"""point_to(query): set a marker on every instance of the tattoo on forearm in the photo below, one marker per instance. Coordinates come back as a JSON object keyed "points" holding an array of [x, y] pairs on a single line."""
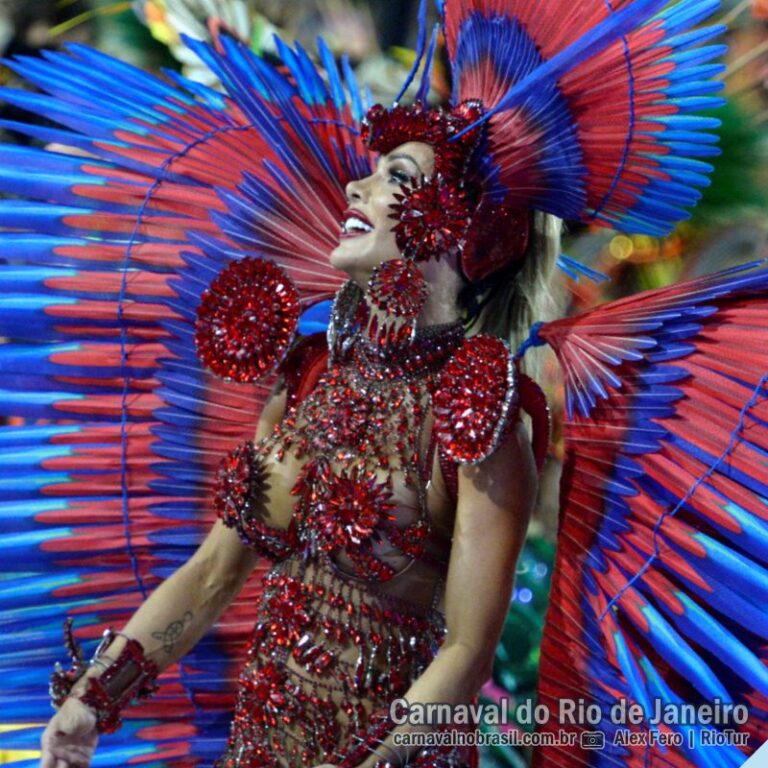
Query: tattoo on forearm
{"points": [[171, 634]]}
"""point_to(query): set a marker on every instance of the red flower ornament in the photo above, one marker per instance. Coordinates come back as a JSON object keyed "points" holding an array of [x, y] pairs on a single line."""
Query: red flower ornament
{"points": [[432, 219], [398, 287], [347, 511], [354, 505], [399, 290]]}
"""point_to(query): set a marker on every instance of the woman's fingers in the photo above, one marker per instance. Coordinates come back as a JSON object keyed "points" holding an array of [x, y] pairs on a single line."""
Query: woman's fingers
{"points": [[47, 760], [73, 754]]}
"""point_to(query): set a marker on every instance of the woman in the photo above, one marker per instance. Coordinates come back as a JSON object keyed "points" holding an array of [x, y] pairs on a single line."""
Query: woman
{"points": [[579, 112], [481, 532]]}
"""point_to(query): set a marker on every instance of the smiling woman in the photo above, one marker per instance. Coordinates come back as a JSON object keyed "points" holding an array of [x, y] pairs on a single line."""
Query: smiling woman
{"points": [[380, 468], [368, 230]]}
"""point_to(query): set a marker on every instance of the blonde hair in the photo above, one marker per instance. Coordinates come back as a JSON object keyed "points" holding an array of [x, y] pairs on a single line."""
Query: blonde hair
{"points": [[509, 302]]}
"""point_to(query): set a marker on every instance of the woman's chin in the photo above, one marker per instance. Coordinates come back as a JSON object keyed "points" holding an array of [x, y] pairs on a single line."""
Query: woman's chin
{"points": [[347, 259], [338, 257], [359, 256]]}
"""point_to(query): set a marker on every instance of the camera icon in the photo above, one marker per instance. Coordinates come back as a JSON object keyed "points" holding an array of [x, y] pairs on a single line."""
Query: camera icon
{"points": [[592, 740]]}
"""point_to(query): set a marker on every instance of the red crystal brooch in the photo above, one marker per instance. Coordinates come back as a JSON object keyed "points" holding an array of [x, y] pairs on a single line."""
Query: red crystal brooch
{"points": [[246, 320], [398, 287], [432, 219], [347, 511], [349, 506]]}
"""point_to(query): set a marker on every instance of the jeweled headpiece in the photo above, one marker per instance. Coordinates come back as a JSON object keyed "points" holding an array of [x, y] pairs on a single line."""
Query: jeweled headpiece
{"points": [[384, 129], [449, 212], [583, 112], [575, 114]]}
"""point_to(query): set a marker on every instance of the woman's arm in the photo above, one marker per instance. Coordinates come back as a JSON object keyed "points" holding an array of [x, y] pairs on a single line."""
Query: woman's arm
{"points": [[182, 609], [168, 624], [495, 501]]}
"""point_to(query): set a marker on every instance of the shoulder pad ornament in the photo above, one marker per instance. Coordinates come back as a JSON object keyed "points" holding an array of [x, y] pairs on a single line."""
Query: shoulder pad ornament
{"points": [[303, 366], [246, 320], [476, 398]]}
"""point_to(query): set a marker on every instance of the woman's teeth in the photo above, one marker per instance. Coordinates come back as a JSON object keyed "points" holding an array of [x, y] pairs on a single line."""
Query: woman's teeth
{"points": [[353, 224]]}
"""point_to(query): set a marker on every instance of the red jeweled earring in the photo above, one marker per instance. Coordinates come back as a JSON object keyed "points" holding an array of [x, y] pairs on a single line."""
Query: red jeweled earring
{"points": [[398, 290]]}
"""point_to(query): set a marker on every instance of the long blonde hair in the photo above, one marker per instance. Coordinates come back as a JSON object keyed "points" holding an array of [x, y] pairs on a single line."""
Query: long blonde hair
{"points": [[509, 302]]}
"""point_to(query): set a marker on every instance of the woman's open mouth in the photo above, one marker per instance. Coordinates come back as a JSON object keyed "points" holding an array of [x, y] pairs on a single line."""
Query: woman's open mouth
{"points": [[355, 224]]}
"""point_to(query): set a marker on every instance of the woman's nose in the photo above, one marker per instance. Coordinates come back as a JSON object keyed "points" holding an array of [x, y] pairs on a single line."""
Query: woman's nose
{"points": [[355, 191]]}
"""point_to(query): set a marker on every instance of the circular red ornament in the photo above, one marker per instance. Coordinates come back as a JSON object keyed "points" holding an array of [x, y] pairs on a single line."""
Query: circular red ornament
{"points": [[246, 320], [432, 219], [476, 394], [354, 505], [398, 287], [346, 511]]}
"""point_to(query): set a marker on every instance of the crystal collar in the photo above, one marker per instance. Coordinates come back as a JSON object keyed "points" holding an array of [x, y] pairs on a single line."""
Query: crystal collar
{"points": [[427, 353]]}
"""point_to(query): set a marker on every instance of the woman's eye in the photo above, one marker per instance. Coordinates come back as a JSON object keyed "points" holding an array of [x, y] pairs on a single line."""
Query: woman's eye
{"points": [[401, 177]]}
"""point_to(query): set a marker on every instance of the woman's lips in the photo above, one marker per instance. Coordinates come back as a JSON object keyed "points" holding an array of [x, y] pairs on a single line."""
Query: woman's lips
{"points": [[354, 224]]}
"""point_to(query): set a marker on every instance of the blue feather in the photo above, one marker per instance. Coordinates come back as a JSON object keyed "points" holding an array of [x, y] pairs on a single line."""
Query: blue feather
{"points": [[682, 656], [421, 43], [711, 634], [575, 269]]}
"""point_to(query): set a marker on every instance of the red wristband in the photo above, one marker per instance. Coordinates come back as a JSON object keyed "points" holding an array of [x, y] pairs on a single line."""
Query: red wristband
{"points": [[131, 676]]}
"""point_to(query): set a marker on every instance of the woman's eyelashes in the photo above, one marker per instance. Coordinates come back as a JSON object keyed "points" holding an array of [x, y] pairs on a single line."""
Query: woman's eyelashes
{"points": [[400, 177]]}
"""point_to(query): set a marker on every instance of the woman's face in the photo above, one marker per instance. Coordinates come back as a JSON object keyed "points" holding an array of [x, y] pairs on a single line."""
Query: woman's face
{"points": [[367, 231]]}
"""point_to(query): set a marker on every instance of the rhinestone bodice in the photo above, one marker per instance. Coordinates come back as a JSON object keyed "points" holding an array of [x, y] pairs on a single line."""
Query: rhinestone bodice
{"points": [[355, 460], [349, 614], [326, 653]]}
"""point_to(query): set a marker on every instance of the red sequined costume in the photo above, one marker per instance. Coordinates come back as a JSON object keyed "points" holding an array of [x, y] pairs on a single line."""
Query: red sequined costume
{"points": [[342, 630]]}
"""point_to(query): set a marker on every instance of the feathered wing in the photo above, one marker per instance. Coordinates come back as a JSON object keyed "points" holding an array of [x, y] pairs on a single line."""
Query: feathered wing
{"points": [[591, 103], [661, 577], [107, 471]]}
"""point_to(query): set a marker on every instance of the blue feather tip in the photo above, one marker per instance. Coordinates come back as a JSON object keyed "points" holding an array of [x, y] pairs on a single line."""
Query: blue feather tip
{"points": [[575, 270]]}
